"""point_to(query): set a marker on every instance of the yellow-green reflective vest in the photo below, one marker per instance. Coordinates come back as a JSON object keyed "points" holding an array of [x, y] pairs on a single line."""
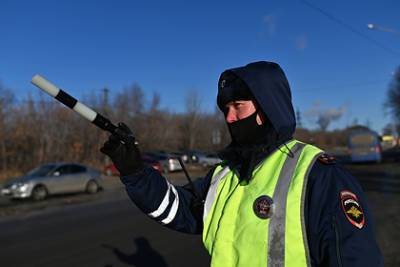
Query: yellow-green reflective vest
{"points": [[235, 235]]}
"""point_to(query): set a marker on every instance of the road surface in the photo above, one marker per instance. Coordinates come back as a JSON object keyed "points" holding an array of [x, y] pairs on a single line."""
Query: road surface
{"points": [[108, 230]]}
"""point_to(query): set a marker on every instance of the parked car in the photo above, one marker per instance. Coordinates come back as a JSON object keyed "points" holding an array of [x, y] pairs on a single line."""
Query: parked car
{"points": [[111, 170], [178, 155], [192, 156], [207, 160], [152, 162], [364, 146], [148, 160], [185, 157], [168, 161], [54, 178], [203, 159]]}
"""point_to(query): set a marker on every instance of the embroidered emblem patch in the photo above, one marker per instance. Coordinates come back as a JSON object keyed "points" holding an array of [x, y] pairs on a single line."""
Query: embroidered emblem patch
{"points": [[263, 207], [352, 209], [223, 82]]}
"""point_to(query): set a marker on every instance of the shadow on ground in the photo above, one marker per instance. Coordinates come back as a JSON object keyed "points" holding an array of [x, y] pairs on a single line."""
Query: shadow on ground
{"points": [[144, 255]]}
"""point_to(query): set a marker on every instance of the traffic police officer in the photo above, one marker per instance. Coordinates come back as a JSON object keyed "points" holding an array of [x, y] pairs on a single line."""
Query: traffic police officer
{"points": [[273, 201]]}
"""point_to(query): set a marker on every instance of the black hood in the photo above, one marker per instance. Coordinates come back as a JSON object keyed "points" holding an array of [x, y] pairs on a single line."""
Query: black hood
{"points": [[270, 89], [268, 84]]}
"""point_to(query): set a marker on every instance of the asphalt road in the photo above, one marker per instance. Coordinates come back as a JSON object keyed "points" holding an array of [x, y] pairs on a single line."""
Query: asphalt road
{"points": [[91, 230], [108, 230]]}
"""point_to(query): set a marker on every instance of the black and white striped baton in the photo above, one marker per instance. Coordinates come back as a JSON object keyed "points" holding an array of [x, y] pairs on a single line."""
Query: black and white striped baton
{"points": [[83, 110]]}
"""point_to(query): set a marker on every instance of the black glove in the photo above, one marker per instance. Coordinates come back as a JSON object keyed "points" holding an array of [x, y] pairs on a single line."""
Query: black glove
{"points": [[121, 148]]}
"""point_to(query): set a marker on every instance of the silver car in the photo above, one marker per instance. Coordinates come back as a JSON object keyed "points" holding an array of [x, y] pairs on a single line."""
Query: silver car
{"points": [[54, 178], [168, 161]]}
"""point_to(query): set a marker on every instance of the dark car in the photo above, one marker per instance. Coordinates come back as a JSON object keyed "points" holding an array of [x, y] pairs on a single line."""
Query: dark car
{"points": [[191, 156], [208, 160], [54, 178], [148, 160]]}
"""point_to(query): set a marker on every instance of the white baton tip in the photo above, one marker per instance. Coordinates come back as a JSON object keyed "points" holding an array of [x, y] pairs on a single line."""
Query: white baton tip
{"points": [[45, 85], [85, 111]]}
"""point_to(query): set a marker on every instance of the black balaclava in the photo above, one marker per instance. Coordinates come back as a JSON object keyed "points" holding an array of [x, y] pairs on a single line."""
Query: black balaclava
{"points": [[247, 131], [250, 142]]}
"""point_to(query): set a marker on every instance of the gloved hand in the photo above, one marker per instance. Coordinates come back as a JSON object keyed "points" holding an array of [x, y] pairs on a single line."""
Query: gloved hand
{"points": [[121, 148]]}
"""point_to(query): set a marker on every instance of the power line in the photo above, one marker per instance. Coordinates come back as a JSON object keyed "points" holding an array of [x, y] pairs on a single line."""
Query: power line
{"points": [[350, 28]]}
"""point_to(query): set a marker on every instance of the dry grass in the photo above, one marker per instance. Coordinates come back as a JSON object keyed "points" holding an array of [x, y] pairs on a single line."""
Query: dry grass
{"points": [[7, 175]]}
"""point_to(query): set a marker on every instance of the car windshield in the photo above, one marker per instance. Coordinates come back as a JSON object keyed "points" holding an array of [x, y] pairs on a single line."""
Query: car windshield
{"points": [[363, 140], [41, 170]]}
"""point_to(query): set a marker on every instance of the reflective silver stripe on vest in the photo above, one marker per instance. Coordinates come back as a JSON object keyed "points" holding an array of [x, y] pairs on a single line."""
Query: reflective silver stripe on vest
{"points": [[276, 230], [212, 191]]}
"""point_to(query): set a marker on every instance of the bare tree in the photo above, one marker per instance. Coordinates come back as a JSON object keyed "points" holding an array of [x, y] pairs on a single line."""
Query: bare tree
{"points": [[6, 101], [392, 103], [130, 102], [190, 120], [155, 102], [155, 127]]}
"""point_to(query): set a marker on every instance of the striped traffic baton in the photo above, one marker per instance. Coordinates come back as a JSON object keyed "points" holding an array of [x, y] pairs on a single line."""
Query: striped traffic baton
{"points": [[69, 101]]}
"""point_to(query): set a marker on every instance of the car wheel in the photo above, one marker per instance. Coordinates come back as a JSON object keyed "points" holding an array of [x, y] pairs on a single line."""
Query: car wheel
{"points": [[39, 193], [92, 187]]}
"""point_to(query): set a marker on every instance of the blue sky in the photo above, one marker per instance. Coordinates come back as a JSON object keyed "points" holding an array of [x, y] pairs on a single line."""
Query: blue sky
{"points": [[174, 47]]}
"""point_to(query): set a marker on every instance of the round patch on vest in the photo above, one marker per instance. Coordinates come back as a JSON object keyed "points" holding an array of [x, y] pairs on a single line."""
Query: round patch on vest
{"points": [[352, 209], [263, 207]]}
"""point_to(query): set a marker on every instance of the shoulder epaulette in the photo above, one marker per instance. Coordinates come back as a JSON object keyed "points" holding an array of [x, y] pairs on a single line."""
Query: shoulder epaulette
{"points": [[327, 159]]}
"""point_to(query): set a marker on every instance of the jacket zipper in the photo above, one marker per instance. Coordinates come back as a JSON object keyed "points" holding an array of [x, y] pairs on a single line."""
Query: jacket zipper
{"points": [[337, 237]]}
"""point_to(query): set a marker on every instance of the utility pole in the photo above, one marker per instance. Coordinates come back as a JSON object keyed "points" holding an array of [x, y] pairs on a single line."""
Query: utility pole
{"points": [[298, 119], [105, 101]]}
